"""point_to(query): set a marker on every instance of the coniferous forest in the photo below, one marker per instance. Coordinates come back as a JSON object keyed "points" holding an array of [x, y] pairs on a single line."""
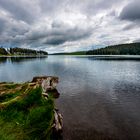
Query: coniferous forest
{"points": [[21, 51], [123, 49]]}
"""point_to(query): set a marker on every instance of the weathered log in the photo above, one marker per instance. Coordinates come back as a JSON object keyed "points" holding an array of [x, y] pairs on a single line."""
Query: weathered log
{"points": [[58, 121], [45, 94]]}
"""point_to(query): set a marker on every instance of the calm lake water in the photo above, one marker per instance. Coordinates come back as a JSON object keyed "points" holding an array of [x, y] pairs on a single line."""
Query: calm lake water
{"points": [[100, 97]]}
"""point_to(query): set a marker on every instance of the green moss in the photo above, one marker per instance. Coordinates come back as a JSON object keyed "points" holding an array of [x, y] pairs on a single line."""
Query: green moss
{"points": [[29, 117]]}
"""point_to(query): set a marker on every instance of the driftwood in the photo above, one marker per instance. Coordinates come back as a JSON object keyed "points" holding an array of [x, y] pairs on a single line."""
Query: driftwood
{"points": [[45, 94], [58, 121]]}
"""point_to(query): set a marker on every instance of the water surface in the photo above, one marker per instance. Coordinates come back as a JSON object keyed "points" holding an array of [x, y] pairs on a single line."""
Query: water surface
{"points": [[100, 97]]}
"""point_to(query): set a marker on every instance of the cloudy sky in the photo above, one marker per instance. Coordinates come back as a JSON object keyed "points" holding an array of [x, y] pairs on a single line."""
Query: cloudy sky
{"points": [[68, 25]]}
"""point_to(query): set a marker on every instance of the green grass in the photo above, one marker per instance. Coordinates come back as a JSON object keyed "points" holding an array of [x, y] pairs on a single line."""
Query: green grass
{"points": [[30, 117], [6, 97], [11, 86]]}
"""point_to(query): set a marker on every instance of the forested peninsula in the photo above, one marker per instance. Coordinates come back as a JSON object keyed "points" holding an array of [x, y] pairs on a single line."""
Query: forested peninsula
{"points": [[21, 52]]}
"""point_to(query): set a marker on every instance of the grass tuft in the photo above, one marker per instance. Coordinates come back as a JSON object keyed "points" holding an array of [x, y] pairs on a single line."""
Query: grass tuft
{"points": [[26, 115]]}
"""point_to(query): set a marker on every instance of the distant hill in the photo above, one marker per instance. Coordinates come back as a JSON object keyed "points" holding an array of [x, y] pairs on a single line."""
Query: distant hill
{"points": [[122, 49], [71, 53], [21, 52]]}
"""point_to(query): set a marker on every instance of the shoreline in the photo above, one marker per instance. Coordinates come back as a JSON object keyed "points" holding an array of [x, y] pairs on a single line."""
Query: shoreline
{"points": [[33, 100]]}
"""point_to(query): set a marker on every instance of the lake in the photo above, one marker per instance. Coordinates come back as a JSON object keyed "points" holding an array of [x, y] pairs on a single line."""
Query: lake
{"points": [[100, 96]]}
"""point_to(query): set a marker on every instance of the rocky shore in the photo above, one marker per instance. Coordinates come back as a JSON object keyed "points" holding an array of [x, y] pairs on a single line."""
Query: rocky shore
{"points": [[29, 109], [48, 84]]}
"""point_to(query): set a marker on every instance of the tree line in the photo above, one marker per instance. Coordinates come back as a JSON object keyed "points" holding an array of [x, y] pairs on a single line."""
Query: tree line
{"points": [[21, 51], [123, 49]]}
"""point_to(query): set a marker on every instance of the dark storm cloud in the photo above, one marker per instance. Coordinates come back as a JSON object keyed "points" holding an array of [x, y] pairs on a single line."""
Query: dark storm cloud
{"points": [[55, 41], [73, 34], [18, 10], [131, 11], [50, 6], [95, 6], [58, 34], [2, 25], [131, 26], [62, 33]]}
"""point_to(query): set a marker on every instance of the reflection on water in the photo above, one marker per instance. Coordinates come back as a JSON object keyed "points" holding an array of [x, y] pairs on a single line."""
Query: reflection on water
{"points": [[116, 57], [3, 60], [19, 59], [99, 99]]}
